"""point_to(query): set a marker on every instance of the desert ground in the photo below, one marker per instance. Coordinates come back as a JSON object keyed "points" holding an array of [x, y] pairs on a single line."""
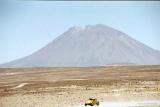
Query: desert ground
{"points": [[113, 86]]}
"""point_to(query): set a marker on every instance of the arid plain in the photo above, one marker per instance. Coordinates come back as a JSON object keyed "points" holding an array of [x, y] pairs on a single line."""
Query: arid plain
{"points": [[62, 87]]}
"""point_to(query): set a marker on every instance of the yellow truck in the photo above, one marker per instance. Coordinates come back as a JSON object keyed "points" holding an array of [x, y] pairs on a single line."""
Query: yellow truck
{"points": [[92, 102]]}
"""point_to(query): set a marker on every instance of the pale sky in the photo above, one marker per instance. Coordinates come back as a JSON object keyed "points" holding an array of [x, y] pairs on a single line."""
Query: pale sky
{"points": [[26, 26]]}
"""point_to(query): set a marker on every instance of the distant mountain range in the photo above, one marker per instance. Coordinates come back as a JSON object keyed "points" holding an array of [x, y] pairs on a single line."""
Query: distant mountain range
{"points": [[90, 46]]}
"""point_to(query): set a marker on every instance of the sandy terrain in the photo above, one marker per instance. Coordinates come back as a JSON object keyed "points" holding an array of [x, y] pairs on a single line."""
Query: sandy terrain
{"points": [[60, 87]]}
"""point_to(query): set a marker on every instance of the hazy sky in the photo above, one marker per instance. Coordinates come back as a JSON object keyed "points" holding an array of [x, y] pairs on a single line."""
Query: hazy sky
{"points": [[26, 26]]}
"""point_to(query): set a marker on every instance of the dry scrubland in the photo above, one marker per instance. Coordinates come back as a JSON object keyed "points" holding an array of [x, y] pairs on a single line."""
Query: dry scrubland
{"points": [[59, 87]]}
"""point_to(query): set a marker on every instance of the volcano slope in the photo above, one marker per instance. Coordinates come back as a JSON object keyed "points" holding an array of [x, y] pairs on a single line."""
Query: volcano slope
{"points": [[57, 87], [94, 45]]}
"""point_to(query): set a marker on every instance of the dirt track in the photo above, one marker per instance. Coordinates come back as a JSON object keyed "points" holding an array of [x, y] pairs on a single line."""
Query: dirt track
{"points": [[57, 87]]}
